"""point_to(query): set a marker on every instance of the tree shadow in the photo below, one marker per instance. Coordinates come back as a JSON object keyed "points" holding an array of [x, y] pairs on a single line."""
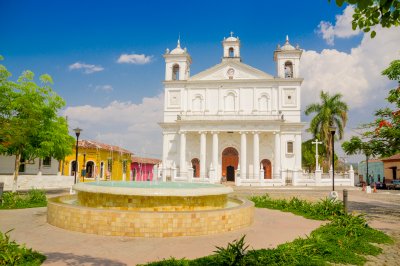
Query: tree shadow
{"points": [[71, 259]]}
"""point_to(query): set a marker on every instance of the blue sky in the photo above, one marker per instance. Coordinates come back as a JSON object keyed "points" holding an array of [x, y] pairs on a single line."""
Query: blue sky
{"points": [[51, 36], [48, 36]]}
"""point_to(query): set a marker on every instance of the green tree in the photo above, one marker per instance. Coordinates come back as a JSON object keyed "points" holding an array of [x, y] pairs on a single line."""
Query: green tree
{"points": [[385, 130], [356, 146], [29, 125], [332, 111], [308, 154], [369, 13]]}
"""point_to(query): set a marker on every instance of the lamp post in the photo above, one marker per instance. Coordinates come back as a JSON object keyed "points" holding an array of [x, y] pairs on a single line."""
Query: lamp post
{"points": [[332, 129], [77, 133]]}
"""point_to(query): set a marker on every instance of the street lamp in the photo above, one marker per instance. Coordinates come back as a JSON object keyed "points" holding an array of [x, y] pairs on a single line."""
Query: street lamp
{"points": [[332, 129], [77, 133]]}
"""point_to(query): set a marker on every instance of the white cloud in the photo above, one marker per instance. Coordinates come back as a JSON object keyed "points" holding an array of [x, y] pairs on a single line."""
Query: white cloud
{"points": [[341, 29], [356, 75], [131, 126], [137, 59], [87, 69], [105, 88]]}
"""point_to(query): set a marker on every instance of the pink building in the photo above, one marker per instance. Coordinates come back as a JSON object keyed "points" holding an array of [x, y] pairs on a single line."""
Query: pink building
{"points": [[142, 168]]}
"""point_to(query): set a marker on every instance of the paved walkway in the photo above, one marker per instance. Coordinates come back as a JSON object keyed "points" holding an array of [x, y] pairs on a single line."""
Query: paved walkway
{"points": [[269, 229], [72, 248]]}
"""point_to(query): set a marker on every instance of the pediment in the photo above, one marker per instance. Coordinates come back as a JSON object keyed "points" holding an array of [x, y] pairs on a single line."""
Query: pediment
{"points": [[231, 70]]}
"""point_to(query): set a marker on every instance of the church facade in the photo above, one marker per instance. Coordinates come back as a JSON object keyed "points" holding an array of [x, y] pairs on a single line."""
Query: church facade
{"points": [[232, 121]]}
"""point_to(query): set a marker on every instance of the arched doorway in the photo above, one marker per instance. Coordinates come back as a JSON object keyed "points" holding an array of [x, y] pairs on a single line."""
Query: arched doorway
{"points": [[72, 168], [90, 169], [230, 161], [196, 167], [267, 168]]}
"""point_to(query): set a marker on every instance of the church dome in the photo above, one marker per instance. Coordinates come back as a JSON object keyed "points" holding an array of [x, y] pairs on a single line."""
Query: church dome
{"points": [[287, 46], [178, 49], [231, 39]]}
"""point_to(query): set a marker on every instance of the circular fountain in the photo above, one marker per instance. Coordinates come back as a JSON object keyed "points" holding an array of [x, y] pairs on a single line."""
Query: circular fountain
{"points": [[150, 209]]}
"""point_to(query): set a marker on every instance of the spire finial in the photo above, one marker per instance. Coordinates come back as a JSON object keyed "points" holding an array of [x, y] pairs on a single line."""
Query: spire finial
{"points": [[287, 38], [179, 41], [231, 33]]}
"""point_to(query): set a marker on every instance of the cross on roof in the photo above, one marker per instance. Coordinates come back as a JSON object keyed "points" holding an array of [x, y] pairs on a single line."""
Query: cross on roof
{"points": [[231, 33]]}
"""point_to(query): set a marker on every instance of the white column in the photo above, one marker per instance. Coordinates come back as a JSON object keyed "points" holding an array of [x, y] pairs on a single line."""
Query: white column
{"points": [[203, 154], [182, 157], [243, 152], [215, 156], [256, 155], [277, 155], [297, 144], [164, 158]]}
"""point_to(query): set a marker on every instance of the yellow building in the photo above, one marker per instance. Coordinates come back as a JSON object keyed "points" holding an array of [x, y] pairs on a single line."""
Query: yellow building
{"points": [[98, 161]]}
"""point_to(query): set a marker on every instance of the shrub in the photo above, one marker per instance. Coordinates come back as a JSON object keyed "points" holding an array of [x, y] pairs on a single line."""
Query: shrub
{"points": [[322, 210], [13, 254], [32, 199]]}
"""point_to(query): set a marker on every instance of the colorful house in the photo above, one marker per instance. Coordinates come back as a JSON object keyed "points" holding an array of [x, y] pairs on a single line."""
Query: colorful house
{"points": [[375, 171], [391, 167], [98, 161], [144, 169]]}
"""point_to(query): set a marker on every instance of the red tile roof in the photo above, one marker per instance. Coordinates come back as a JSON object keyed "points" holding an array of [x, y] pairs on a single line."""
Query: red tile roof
{"points": [[392, 158], [136, 159], [91, 144]]}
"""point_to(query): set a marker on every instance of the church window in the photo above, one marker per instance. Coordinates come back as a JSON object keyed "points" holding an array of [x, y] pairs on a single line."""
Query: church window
{"points": [[289, 147], [231, 52], [263, 103], [175, 72], [230, 102], [197, 103], [288, 69]]}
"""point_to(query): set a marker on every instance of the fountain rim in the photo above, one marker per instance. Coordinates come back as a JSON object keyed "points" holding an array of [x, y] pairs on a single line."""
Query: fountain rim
{"points": [[154, 191]]}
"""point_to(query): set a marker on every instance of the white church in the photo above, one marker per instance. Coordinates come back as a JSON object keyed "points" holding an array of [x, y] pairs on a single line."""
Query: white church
{"points": [[232, 122]]}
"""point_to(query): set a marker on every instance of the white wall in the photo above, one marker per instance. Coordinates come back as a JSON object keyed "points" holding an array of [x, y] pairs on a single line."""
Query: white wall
{"points": [[26, 182]]}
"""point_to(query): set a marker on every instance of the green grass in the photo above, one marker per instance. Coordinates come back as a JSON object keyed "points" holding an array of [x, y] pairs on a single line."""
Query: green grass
{"points": [[16, 200], [346, 239], [12, 253]]}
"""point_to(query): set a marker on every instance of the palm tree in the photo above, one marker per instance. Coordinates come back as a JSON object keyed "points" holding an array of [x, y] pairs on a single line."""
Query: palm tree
{"points": [[332, 111]]}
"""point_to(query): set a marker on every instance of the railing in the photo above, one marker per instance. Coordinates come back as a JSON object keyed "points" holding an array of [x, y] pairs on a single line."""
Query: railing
{"points": [[229, 116]]}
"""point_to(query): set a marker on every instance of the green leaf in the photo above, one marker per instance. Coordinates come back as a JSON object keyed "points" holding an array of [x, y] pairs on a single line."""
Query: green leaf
{"points": [[339, 2], [373, 34]]}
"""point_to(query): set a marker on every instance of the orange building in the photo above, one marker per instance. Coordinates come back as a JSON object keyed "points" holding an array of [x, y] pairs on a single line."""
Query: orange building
{"points": [[391, 167]]}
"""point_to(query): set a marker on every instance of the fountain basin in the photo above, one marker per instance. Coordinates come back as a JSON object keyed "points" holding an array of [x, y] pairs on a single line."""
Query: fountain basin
{"points": [[149, 196], [143, 220]]}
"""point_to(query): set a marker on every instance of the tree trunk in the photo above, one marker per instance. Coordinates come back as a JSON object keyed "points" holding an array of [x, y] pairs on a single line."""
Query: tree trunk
{"points": [[40, 166], [16, 171]]}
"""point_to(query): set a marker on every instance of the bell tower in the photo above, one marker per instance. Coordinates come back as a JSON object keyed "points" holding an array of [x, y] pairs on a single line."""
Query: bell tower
{"points": [[287, 60], [177, 63], [231, 47]]}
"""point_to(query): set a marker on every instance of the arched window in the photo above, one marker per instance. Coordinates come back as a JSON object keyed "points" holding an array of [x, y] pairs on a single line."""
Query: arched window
{"points": [[231, 52], [263, 103], [90, 169], [288, 69], [175, 72], [230, 102], [197, 103]]}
